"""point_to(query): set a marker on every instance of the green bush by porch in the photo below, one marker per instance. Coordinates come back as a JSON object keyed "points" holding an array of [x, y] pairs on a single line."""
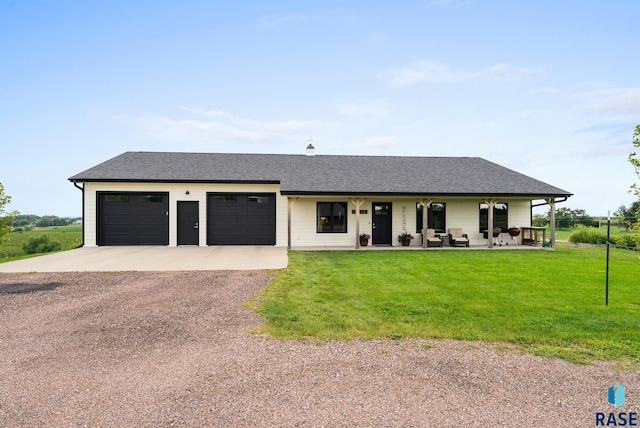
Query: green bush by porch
{"points": [[548, 302]]}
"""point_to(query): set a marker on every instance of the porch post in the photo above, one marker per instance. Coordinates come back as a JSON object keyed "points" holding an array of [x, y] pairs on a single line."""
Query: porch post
{"points": [[289, 202], [490, 203], [426, 203], [358, 203], [552, 221]]}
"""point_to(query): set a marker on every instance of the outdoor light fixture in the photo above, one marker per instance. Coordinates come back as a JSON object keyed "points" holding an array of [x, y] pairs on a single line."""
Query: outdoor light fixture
{"points": [[186, 193]]}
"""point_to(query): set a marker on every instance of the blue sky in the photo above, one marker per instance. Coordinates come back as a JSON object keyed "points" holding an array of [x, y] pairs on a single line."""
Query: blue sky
{"points": [[548, 88]]}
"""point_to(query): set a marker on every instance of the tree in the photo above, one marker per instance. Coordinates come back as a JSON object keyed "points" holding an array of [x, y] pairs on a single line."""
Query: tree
{"points": [[5, 217], [540, 220], [628, 215], [51, 220], [23, 220], [567, 218], [635, 161]]}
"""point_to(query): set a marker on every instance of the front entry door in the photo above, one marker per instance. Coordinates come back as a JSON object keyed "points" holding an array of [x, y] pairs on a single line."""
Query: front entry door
{"points": [[381, 223], [188, 223]]}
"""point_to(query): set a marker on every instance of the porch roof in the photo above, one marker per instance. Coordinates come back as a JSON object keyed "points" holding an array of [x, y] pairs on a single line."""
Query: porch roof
{"points": [[326, 174]]}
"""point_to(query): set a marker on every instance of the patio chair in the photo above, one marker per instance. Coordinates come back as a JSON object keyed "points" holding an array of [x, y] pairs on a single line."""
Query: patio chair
{"points": [[457, 238], [430, 239]]}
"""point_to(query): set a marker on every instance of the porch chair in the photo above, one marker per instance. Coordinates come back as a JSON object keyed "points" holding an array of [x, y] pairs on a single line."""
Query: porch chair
{"points": [[430, 239], [457, 238]]}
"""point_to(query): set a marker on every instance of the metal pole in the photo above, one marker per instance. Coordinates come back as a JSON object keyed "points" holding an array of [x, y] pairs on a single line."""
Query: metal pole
{"points": [[606, 300]]}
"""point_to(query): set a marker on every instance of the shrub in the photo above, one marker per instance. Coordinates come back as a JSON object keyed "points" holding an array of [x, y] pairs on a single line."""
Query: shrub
{"points": [[590, 235], [40, 244], [628, 241], [587, 235], [76, 243]]}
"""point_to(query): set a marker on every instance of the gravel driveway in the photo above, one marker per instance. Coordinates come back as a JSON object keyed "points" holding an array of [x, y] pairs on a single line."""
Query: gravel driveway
{"points": [[175, 349]]}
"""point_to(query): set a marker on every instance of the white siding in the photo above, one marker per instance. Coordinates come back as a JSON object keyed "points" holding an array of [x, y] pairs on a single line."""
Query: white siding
{"points": [[90, 216], [303, 224], [177, 192], [404, 219], [460, 212]]}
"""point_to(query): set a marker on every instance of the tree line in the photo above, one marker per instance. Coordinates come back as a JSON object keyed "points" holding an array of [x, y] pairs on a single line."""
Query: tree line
{"points": [[26, 221], [566, 218]]}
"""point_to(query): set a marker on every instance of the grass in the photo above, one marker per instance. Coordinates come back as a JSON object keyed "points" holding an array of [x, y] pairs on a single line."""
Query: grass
{"points": [[11, 245], [550, 303]]}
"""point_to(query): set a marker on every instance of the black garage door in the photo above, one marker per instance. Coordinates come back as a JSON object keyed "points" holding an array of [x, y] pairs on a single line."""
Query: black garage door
{"points": [[133, 218], [241, 219]]}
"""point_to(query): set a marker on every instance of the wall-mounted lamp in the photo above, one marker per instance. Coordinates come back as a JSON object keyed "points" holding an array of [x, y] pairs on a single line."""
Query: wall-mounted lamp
{"points": [[186, 193]]}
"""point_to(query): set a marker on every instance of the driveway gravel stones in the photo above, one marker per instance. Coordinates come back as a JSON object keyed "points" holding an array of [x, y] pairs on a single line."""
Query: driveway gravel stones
{"points": [[161, 349]]}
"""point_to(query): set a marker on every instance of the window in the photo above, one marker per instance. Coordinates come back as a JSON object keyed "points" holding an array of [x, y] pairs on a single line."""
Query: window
{"points": [[435, 217], [332, 217], [152, 198], [500, 217], [258, 199], [117, 198], [224, 199]]}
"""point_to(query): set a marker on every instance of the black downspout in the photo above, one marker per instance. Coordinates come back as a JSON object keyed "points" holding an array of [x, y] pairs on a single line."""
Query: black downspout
{"points": [[82, 190], [557, 201]]}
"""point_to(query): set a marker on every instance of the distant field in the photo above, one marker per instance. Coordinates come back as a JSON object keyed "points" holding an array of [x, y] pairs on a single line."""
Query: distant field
{"points": [[11, 246]]}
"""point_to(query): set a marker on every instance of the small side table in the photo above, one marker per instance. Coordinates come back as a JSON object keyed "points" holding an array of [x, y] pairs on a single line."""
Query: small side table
{"points": [[530, 235]]}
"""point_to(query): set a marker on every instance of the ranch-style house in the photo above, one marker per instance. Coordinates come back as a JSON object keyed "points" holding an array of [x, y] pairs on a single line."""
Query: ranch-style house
{"points": [[307, 200]]}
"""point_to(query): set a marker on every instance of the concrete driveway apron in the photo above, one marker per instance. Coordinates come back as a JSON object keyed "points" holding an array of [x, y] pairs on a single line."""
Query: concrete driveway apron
{"points": [[153, 258]]}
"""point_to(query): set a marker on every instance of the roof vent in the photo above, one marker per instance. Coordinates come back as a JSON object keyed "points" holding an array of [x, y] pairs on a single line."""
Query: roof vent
{"points": [[311, 151]]}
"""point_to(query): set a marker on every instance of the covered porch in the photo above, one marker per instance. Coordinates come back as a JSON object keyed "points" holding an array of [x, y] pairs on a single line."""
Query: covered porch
{"points": [[376, 222]]}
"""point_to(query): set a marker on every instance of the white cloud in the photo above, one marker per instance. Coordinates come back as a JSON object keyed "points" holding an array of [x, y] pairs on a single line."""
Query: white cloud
{"points": [[220, 115], [429, 71], [285, 126], [195, 130], [618, 101], [269, 22], [507, 72], [374, 108], [425, 71], [381, 141], [221, 126], [295, 125], [377, 39], [447, 2], [546, 90]]}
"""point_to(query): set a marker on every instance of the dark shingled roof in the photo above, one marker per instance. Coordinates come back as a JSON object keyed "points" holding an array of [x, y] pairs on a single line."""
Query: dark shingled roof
{"points": [[325, 174]]}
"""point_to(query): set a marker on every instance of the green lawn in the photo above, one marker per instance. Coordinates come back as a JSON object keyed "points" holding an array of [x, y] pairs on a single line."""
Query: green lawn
{"points": [[548, 302], [11, 245]]}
